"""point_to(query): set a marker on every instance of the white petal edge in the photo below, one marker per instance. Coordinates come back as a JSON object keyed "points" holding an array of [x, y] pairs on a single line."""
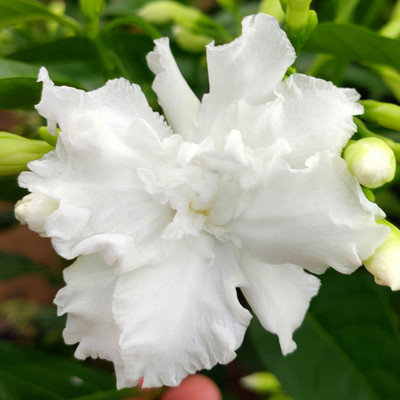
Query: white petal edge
{"points": [[312, 115], [114, 105], [182, 315], [279, 295], [178, 101], [87, 300], [248, 68], [102, 209], [315, 217]]}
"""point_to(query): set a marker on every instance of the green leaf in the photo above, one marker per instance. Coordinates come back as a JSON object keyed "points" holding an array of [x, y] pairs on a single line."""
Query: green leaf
{"points": [[352, 43], [20, 11], [18, 86], [348, 345], [26, 373], [131, 50], [72, 61], [10, 191]]}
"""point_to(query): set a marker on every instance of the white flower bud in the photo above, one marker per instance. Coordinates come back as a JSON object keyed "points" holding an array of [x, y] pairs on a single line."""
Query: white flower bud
{"points": [[33, 210], [384, 264], [371, 161]]}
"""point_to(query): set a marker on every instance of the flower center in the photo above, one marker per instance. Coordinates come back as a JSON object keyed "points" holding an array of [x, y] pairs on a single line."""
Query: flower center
{"points": [[207, 187]]}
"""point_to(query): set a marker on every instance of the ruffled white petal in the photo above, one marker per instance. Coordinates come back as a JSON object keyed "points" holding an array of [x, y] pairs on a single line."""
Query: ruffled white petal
{"points": [[114, 106], [103, 205], [279, 295], [315, 217], [249, 68], [312, 115], [181, 315], [178, 101], [87, 299]]}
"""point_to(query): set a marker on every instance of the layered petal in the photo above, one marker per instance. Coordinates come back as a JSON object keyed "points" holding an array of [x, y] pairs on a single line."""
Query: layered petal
{"points": [[178, 101], [314, 217], [114, 106], [249, 68], [181, 315], [87, 300], [279, 295], [312, 115], [103, 205]]}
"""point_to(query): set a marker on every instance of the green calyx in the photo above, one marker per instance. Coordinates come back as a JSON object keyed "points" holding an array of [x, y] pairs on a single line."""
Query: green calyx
{"points": [[17, 151]]}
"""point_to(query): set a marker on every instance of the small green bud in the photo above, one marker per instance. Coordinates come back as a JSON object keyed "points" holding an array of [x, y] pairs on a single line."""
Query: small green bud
{"points": [[384, 264], [17, 151], [162, 12], [274, 8], [300, 22], [371, 161], [261, 382], [92, 9], [297, 13], [190, 41], [190, 18], [384, 114]]}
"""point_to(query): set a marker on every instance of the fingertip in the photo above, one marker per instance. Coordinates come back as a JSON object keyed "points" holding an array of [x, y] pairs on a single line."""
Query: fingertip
{"points": [[194, 387]]}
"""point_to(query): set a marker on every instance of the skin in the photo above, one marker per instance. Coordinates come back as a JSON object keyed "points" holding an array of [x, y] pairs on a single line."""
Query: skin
{"points": [[194, 387]]}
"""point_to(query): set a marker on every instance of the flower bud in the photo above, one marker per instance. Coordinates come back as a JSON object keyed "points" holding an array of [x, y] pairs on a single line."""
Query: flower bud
{"points": [[190, 18], [162, 12], [17, 151], [371, 161], [261, 382], [384, 264], [190, 41], [297, 13], [33, 210], [274, 8], [300, 22], [384, 114]]}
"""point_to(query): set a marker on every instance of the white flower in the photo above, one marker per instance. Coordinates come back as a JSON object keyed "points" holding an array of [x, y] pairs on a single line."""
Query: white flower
{"points": [[245, 189]]}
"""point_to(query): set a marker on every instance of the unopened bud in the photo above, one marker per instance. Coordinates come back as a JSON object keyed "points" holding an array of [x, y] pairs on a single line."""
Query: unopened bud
{"points": [[17, 151], [190, 41], [274, 8], [371, 161], [297, 13], [384, 264], [161, 12], [33, 210], [384, 114], [261, 382]]}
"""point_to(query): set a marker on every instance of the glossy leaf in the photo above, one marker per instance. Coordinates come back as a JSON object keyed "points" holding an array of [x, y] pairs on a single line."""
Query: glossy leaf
{"points": [[72, 61], [353, 43], [18, 86], [348, 346]]}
